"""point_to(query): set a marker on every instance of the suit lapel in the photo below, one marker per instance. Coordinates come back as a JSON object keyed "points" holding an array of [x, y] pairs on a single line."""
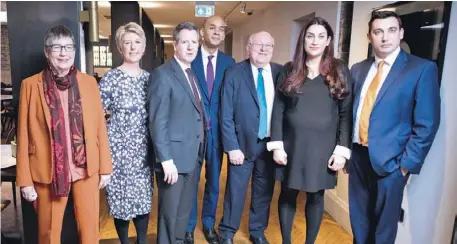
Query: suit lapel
{"points": [[249, 79], [200, 72], [44, 104], [360, 81], [85, 101], [275, 71], [396, 69], [181, 77]]}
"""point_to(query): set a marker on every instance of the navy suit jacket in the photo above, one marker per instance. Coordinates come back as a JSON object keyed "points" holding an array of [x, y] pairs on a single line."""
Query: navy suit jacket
{"points": [[406, 113], [240, 115], [211, 103]]}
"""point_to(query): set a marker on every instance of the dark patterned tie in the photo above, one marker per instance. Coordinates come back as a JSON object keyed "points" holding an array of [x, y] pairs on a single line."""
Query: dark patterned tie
{"points": [[210, 75], [198, 101]]}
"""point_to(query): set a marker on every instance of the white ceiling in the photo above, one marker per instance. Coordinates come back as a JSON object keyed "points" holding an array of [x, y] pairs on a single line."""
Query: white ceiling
{"points": [[171, 13]]}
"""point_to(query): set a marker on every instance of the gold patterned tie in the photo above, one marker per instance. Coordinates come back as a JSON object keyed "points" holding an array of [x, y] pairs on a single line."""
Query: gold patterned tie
{"points": [[370, 98]]}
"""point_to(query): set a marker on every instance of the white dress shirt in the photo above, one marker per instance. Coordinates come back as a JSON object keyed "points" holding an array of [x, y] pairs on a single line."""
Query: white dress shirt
{"points": [[184, 67], [389, 61], [205, 56], [269, 90]]}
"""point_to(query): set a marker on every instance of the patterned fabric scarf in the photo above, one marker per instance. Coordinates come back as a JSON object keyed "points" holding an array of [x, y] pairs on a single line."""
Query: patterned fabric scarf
{"points": [[61, 171]]}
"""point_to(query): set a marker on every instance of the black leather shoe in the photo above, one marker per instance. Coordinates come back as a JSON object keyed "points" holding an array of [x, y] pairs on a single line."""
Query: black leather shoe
{"points": [[225, 241], [189, 237], [261, 240], [211, 236]]}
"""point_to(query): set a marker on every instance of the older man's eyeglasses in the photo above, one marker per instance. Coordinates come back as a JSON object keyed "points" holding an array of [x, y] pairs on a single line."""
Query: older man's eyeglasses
{"points": [[262, 46], [59, 48]]}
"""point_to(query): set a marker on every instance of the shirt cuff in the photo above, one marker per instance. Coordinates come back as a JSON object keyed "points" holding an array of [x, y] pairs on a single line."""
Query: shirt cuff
{"points": [[167, 162], [274, 145], [343, 152]]}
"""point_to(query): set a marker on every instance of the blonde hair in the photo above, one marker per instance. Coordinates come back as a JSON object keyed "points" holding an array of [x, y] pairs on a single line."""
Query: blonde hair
{"points": [[131, 27]]}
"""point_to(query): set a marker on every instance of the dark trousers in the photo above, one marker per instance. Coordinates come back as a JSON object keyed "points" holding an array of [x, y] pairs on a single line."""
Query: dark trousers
{"points": [[213, 164], [174, 207], [141, 227], [314, 210], [374, 201], [262, 185]]}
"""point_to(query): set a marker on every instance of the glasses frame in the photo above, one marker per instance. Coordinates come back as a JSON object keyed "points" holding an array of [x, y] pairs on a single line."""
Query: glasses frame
{"points": [[54, 46]]}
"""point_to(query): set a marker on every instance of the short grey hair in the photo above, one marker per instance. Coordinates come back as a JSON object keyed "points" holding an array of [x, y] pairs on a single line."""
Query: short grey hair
{"points": [[184, 26], [57, 32], [131, 27]]}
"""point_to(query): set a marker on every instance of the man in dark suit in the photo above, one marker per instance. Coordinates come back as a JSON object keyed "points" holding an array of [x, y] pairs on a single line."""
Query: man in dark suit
{"points": [[209, 67], [396, 116], [177, 127], [246, 104]]}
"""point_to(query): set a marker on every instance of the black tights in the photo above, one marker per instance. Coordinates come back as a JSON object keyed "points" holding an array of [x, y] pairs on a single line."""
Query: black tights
{"points": [[314, 210], [141, 226]]}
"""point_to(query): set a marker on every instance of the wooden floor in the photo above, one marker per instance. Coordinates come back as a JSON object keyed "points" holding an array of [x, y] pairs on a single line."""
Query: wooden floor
{"points": [[330, 232]]}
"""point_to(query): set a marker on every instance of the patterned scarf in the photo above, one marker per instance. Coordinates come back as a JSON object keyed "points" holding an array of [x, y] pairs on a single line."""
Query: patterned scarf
{"points": [[61, 171]]}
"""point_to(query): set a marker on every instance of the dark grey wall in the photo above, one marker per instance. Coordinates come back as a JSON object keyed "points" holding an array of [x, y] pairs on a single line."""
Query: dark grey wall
{"points": [[121, 14], [148, 57], [27, 26]]}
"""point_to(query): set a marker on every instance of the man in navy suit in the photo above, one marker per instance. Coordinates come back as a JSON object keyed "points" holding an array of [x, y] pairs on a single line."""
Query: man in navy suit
{"points": [[396, 116], [246, 104], [209, 66]]}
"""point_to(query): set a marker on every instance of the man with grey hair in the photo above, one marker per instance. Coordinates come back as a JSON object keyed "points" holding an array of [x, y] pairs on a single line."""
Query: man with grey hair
{"points": [[246, 105], [177, 124]]}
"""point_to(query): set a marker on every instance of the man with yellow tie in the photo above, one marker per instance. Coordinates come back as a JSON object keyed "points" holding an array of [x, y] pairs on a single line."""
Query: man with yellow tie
{"points": [[396, 115]]}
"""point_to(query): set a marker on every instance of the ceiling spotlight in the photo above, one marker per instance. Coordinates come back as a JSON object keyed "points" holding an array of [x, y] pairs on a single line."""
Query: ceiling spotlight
{"points": [[243, 8]]}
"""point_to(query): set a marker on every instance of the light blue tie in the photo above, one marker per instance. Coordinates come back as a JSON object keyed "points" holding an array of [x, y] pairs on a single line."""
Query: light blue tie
{"points": [[262, 105]]}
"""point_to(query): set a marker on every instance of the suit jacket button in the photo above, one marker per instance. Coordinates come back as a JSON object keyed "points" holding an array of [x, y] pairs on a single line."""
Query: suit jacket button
{"points": [[198, 136], [256, 130]]}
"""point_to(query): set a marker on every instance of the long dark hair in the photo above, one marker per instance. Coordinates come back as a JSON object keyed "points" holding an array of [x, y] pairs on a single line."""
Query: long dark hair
{"points": [[330, 68]]}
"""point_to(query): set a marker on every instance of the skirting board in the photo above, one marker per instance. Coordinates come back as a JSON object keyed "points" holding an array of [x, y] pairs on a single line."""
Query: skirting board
{"points": [[338, 209]]}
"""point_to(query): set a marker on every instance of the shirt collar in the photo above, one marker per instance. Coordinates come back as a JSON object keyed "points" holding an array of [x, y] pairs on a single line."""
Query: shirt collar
{"points": [[266, 68], [181, 64], [389, 59], [205, 54]]}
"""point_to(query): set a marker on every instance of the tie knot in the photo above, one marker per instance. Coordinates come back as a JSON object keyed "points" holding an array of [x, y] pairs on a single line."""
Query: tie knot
{"points": [[189, 71], [210, 57], [260, 70], [381, 64]]}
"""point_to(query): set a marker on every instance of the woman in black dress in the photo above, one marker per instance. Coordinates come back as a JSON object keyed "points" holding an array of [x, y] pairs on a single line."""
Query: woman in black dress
{"points": [[311, 126]]}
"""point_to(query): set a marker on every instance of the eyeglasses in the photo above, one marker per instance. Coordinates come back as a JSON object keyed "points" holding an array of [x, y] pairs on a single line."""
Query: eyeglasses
{"points": [[263, 46], [58, 48]]}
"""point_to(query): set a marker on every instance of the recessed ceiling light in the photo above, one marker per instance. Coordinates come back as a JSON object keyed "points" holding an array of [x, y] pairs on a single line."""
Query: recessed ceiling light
{"points": [[168, 41], [163, 36], [150, 4], [3, 17], [163, 26], [104, 4]]}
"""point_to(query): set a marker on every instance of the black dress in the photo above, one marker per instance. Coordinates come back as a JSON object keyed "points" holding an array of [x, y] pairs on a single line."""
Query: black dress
{"points": [[311, 124]]}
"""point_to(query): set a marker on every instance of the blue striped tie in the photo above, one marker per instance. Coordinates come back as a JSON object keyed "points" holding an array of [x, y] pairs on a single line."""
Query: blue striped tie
{"points": [[262, 105]]}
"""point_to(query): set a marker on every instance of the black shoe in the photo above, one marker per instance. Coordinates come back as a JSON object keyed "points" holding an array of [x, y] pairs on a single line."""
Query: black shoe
{"points": [[260, 240], [211, 236], [189, 238], [225, 241]]}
